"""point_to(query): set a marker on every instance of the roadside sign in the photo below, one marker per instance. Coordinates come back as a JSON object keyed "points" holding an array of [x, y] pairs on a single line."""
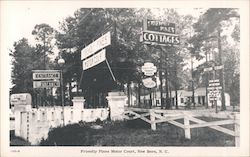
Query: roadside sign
{"points": [[94, 60], [149, 69], [97, 45], [160, 38], [208, 69], [46, 74], [214, 84], [214, 81], [46, 84], [213, 68], [214, 88], [159, 26], [219, 67], [149, 82]]}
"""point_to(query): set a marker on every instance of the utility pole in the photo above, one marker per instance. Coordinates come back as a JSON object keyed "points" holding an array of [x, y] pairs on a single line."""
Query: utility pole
{"points": [[160, 73], [192, 81], [223, 106], [206, 83], [166, 84], [175, 84]]}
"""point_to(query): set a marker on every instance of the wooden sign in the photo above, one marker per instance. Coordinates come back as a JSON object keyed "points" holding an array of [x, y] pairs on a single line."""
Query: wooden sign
{"points": [[94, 60], [159, 26], [160, 38], [97, 45], [46, 74], [46, 84]]}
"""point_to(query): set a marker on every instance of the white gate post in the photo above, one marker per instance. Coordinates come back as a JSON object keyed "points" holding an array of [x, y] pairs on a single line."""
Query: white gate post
{"points": [[116, 102], [187, 128], [152, 119]]}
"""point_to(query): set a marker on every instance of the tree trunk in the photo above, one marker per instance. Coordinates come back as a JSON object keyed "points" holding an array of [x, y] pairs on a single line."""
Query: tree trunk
{"points": [[128, 92]]}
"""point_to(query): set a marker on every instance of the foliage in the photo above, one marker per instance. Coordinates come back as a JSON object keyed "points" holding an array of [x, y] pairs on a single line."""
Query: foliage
{"points": [[25, 58]]}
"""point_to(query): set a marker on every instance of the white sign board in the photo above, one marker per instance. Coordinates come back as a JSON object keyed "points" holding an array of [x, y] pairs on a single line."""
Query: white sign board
{"points": [[214, 88], [46, 75], [211, 81], [219, 67], [149, 83], [46, 84], [20, 99], [149, 69], [94, 60], [97, 45]]}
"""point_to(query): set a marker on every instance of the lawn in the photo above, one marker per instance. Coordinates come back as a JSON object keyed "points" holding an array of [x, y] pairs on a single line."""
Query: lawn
{"points": [[133, 133]]}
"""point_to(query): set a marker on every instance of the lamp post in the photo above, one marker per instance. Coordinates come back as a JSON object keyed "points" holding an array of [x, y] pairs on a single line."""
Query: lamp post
{"points": [[61, 63]]}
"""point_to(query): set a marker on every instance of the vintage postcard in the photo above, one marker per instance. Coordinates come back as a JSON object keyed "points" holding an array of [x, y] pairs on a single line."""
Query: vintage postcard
{"points": [[125, 78]]}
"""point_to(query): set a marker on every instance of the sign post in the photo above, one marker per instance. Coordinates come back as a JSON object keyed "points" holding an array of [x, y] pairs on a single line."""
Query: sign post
{"points": [[214, 85], [160, 33]]}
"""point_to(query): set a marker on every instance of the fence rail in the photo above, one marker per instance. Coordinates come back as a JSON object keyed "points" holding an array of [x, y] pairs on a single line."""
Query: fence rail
{"points": [[154, 116]]}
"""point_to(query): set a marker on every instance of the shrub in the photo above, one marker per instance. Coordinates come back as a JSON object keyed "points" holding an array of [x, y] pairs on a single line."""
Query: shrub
{"points": [[70, 135]]}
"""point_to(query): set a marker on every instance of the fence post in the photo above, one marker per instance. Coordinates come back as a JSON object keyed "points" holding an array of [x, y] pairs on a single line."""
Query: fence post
{"points": [[187, 129], [237, 130], [152, 119]]}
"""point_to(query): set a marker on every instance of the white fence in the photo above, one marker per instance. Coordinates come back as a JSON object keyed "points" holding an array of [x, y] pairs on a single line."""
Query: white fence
{"points": [[153, 116], [34, 124]]}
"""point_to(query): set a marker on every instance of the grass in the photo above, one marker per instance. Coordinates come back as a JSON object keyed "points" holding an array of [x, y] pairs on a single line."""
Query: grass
{"points": [[134, 133]]}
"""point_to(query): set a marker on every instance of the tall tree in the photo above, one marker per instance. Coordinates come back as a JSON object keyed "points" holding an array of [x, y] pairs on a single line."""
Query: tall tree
{"points": [[25, 58], [45, 37], [209, 27]]}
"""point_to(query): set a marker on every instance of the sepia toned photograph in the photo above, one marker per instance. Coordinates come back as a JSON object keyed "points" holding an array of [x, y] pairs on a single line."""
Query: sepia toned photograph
{"points": [[123, 81]]}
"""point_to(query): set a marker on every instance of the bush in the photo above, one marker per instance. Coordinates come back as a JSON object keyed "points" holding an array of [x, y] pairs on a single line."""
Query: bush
{"points": [[71, 135]]}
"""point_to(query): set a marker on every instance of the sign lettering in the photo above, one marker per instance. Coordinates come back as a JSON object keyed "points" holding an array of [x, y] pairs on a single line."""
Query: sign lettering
{"points": [[160, 26], [160, 38], [94, 60], [97, 45], [149, 69], [46, 84]]}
